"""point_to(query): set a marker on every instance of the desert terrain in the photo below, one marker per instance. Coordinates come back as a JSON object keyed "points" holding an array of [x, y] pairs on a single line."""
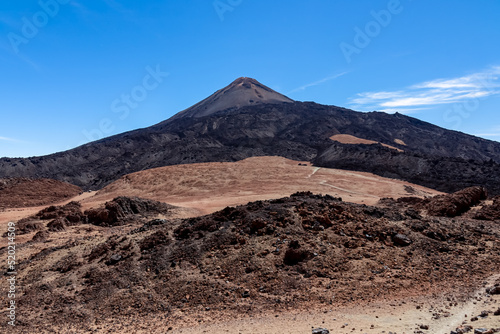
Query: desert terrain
{"points": [[350, 270], [208, 187]]}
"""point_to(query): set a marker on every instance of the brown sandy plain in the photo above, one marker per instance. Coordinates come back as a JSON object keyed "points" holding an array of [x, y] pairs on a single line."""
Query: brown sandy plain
{"points": [[208, 187]]}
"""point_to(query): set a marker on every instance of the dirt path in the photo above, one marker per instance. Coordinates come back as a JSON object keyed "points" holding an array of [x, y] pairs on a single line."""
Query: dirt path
{"points": [[476, 304], [324, 183], [313, 172]]}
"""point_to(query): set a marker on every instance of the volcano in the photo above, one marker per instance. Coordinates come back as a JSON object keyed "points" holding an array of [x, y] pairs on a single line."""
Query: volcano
{"points": [[241, 92], [248, 119]]}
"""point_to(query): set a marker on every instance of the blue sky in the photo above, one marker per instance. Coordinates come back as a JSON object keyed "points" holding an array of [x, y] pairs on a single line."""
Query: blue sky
{"points": [[72, 71]]}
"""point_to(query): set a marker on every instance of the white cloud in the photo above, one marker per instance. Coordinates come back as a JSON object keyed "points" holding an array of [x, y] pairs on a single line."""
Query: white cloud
{"points": [[434, 92], [487, 134], [316, 83], [492, 132], [8, 139]]}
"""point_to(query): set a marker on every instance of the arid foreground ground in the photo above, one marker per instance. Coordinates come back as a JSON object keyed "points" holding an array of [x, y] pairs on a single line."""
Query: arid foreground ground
{"points": [[282, 265]]}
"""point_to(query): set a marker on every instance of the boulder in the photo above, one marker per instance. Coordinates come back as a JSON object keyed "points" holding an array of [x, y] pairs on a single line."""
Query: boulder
{"points": [[40, 236], [401, 240], [119, 209], [57, 225], [320, 331]]}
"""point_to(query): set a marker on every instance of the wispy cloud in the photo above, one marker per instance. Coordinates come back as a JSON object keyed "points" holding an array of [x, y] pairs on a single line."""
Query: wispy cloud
{"points": [[127, 13], [487, 134], [430, 93], [316, 83], [9, 139], [492, 132]]}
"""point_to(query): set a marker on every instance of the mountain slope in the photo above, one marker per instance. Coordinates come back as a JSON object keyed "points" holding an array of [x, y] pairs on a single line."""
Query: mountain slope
{"points": [[240, 93], [294, 130]]}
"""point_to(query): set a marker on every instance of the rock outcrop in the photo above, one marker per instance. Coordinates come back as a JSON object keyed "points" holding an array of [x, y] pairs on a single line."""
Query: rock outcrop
{"points": [[452, 205]]}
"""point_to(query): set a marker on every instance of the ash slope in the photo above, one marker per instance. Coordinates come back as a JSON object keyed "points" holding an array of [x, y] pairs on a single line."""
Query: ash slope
{"points": [[276, 126], [241, 92]]}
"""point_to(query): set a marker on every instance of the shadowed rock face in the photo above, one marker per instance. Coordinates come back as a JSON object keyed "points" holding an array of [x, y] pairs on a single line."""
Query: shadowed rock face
{"points": [[276, 126]]}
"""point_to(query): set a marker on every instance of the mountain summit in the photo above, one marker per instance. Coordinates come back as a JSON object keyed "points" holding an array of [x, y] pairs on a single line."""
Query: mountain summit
{"points": [[241, 92]]}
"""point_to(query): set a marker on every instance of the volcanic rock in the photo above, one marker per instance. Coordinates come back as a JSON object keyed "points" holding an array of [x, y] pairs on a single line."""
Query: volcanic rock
{"points": [[119, 209], [320, 331], [205, 258], [495, 290], [40, 236], [401, 240], [114, 259], [489, 212], [71, 211], [28, 225], [58, 224], [457, 203]]}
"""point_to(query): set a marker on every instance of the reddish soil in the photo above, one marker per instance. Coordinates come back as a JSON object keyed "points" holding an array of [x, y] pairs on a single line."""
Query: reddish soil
{"points": [[286, 256], [21, 192], [208, 187], [349, 139], [268, 266]]}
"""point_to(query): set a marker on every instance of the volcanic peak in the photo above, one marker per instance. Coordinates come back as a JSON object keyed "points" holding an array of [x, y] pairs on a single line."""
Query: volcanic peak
{"points": [[241, 92]]}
